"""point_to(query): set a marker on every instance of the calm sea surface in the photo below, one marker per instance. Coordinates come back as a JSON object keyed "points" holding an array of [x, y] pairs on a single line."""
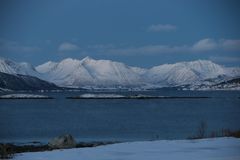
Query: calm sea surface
{"points": [[119, 119]]}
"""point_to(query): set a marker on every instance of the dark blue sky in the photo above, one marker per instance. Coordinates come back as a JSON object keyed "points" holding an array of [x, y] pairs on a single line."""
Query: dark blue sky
{"points": [[137, 32]]}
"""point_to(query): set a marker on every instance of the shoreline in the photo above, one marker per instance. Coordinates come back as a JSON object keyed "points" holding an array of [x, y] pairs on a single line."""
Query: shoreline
{"points": [[39, 147]]}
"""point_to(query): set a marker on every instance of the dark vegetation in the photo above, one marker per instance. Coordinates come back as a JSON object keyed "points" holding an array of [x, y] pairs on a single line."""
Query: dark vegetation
{"points": [[7, 151], [202, 132], [235, 80]]}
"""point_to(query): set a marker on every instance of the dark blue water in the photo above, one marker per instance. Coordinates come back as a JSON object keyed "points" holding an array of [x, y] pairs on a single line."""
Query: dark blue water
{"points": [[119, 119]]}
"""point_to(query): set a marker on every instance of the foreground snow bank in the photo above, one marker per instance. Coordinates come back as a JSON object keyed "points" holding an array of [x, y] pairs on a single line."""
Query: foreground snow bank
{"points": [[207, 149], [23, 96]]}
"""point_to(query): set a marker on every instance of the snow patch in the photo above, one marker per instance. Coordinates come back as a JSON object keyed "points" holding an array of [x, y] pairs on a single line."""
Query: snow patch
{"points": [[101, 96]]}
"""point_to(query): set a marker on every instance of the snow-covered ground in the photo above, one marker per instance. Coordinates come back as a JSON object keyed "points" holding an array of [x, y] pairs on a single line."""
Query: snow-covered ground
{"points": [[22, 96], [205, 149]]}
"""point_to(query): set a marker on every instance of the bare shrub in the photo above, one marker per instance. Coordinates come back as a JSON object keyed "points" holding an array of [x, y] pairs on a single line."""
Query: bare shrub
{"points": [[6, 151], [202, 130]]}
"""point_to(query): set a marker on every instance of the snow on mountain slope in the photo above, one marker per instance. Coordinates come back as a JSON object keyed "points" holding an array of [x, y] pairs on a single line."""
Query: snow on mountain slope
{"points": [[46, 67], [233, 71], [93, 73], [11, 67], [166, 75], [90, 72], [187, 73], [68, 72], [111, 72]]}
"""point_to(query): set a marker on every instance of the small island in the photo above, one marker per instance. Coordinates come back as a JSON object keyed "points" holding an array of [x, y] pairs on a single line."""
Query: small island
{"points": [[137, 96], [24, 96]]}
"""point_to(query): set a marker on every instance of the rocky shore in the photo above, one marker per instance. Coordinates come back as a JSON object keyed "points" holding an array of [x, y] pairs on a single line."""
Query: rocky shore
{"points": [[7, 150]]}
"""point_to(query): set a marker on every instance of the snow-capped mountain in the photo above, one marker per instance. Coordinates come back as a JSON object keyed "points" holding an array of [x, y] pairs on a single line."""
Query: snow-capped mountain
{"points": [[91, 73], [188, 73], [11, 67]]}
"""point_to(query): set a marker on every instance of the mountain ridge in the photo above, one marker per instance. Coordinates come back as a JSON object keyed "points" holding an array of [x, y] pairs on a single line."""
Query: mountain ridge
{"points": [[91, 73], [24, 82]]}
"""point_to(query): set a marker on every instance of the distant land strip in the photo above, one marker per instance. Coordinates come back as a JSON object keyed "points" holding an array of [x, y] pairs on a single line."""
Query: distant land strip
{"points": [[26, 98], [130, 97]]}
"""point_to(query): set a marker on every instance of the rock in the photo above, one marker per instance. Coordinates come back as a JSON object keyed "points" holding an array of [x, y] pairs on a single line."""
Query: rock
{"points": [[6, 151], [64, 141]]}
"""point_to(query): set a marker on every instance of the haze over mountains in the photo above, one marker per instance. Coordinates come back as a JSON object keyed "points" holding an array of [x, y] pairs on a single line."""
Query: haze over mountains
{"points": [[91, 73]]}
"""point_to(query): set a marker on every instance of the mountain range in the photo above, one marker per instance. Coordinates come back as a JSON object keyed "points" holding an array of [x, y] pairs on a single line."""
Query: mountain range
{"points": [[104, 74]]}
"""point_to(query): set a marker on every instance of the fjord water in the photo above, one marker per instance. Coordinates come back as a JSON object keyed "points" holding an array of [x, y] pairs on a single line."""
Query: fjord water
{"points": [[29, 120]]}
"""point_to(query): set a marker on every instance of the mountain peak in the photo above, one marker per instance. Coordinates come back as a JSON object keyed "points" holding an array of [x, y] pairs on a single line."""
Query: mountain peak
{"points": [[50, 62], [200, 61], [87, 58], [69, 61], [11, 67], [46, 67]]}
